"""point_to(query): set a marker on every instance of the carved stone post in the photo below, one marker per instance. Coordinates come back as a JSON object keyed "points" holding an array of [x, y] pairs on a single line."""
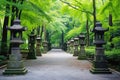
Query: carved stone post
{"points": [[45, 46], [76, 44], [82, 54], [68, 46], [31, 46], [38, 45]]}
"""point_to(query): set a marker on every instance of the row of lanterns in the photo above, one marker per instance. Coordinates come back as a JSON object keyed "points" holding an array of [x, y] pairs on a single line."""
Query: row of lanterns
{"points": [[73, 46], [99, 63]]}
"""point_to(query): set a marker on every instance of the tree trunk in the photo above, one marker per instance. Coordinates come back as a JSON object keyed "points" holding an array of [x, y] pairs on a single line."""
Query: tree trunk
{"points": [[4, 46], [47, 35], [103, 2], [41, 31], [110, 20], [48, 39], [13, 12], [111, 24], [87, 29], [94, 14], [44, 32], [20, 12], [62, 39], [38, 30]]}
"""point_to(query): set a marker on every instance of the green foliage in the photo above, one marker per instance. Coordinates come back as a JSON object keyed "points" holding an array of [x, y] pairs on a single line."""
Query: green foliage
{"points": [[113, 58], [24, 46], [75, 32], [33, 15], [107, 46], [116, 42], [90, 51], [3, 58]]}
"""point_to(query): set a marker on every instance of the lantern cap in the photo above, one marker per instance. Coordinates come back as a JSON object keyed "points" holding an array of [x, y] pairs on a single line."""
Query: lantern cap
{"points": [[99, 42], [17, 26], [99, 28], [17, 21]]}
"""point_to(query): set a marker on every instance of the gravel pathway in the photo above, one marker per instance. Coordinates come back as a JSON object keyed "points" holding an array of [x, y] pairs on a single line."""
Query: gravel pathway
{"points": [[59, 65]]}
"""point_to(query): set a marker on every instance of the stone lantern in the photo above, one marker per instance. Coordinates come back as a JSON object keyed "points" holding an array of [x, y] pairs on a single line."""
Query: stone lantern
{"points": [[45, 46], [71, 46], [31, 45], [76, 44], [99, 63], [82, 54], [38, 45], [68, 46], [15, 64]]}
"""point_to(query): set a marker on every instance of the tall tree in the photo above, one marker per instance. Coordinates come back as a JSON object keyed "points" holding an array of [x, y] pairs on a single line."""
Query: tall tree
{"points": [[94, 13], [82, 7], [4, 46]]}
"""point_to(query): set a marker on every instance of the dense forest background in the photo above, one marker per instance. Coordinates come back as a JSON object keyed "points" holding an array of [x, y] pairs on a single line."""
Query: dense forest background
{"points": [[67, 18]]}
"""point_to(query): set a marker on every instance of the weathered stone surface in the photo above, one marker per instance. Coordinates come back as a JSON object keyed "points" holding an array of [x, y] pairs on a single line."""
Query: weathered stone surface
{"points": [[45, 46], [82, 54], [31, 46], [38, 45]]}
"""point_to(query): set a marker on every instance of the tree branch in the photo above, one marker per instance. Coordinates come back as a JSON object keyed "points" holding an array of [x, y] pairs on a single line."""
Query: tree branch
{"points": [[76, 7], [69, 4]]}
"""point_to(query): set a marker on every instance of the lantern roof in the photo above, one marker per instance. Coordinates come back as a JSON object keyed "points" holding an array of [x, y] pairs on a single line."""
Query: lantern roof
{"points": [[38, 37], [76, 38], [19, 41], [81, 35], [68, 42], [16, 26], [71, 40], [99, 28]]}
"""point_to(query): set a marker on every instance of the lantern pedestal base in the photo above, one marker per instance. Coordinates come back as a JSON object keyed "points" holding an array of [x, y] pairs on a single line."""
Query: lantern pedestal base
{"points": [[15, 68], [100, 71], [100, 67]]}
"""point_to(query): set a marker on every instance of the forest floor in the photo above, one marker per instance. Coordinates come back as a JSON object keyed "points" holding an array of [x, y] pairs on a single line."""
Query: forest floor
{"points": [[59, 65]]}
